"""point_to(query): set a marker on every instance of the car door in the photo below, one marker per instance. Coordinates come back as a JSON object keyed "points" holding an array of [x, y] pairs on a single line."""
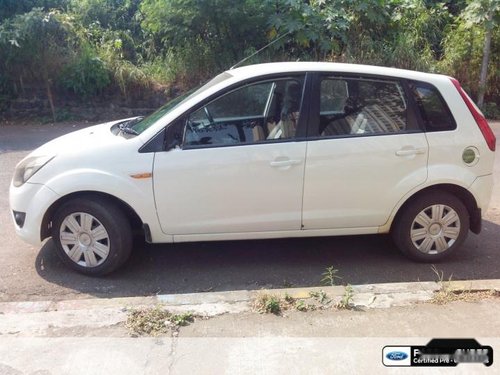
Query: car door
{"points": [[240, 165], [366, 151]]}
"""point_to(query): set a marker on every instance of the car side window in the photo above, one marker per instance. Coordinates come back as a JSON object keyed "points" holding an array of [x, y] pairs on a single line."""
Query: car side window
{"points": [[435, 113], [257, 112], [359, 106]]}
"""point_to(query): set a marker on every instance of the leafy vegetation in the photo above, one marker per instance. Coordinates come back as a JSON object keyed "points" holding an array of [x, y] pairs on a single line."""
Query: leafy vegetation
{"points": [[330, 276], [88, 48], [155, 321], [346, 301], [86, 75], [268, 303]]}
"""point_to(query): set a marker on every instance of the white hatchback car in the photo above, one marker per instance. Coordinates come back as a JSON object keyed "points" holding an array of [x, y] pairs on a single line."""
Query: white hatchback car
{"points": [[267, 151]]}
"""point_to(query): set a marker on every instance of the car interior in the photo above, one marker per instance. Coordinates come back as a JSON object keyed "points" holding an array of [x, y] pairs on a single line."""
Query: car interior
{"points": [[356, 107], [271, 112]]}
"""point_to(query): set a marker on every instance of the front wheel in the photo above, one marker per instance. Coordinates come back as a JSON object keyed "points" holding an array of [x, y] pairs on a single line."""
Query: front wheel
{"points": [[431, 227], [92, 236]]}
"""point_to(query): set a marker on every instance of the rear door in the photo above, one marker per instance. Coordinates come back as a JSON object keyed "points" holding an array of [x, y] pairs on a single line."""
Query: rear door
{"points": [[365, 152]]}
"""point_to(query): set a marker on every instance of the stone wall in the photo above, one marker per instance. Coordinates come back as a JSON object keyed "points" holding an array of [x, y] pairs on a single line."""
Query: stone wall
{"points": [[34, 104]]}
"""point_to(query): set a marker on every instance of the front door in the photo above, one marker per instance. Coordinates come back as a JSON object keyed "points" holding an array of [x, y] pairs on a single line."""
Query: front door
{"points": [[240, 167]]}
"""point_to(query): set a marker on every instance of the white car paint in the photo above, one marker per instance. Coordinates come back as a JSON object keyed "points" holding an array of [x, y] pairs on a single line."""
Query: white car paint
{"points": [[235, 193], [196, 189], [344, 175]]}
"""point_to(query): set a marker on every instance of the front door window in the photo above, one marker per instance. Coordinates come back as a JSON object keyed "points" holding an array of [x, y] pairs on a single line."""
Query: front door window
{"points": [[258, 112]]}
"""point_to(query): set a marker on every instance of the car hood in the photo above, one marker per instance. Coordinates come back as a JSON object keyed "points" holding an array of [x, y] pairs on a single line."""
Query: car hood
{"points": [[83, 140]]}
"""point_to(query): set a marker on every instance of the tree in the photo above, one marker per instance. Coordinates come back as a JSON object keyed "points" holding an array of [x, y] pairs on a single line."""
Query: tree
{"points": [[10, 8], [227, 28], [34, 45], [485, 13]]}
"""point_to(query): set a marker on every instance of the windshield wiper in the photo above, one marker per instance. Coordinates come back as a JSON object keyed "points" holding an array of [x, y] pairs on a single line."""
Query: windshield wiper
{"points": [[125, 127], [127, 130]]}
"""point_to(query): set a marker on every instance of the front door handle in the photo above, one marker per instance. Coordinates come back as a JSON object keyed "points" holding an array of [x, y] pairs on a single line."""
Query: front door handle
{"points": [[410, 151], [284, 163]]}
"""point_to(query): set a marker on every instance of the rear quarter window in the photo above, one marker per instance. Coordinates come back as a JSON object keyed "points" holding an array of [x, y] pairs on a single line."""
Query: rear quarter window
{"points": [[433, 108]]}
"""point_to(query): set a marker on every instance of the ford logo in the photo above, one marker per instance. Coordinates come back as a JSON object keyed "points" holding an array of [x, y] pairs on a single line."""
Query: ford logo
{"points": [[396, 356]]}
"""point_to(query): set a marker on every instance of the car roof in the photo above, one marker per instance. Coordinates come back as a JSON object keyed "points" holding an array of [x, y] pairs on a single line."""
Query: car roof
{"points": [[250, 71]]}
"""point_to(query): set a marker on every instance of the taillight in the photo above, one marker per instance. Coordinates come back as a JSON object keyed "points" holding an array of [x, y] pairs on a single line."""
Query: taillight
{"points": [[488, 135]]}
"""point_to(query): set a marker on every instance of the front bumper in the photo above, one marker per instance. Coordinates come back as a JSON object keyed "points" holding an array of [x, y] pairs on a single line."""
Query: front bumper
{"points": [[33, 200]]}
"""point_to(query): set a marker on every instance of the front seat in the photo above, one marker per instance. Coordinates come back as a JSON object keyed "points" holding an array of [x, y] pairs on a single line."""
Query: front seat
{"points": [[289, 113]]}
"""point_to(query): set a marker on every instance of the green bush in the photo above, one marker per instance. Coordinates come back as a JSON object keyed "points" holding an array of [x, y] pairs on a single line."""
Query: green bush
{"points": [[492, 111], [130, 47], [6, 94], [463, 47], [87, 75]]}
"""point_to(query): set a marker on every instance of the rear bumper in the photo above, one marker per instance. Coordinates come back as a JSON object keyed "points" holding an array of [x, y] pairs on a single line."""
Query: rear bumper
{"points": [[476, 221], [481, 188]]}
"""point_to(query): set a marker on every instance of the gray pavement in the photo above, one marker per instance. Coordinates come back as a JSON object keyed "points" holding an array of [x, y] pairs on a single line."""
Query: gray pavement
{"points": [[90, 337], [207, 356], [320, 342], [28, 273]]}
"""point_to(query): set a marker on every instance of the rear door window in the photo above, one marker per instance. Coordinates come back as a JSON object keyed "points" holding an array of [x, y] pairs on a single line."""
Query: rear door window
{"points": [[363, 106]]}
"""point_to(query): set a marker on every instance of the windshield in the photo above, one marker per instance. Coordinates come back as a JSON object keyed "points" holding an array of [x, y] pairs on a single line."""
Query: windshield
{"points": [[146, 122]]}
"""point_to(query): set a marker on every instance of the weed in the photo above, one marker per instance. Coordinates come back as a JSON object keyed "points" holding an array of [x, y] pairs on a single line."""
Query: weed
{"points": [[289, 298], [441, 298], [182, 320], [346, 301], [150, 321], [269, 304], [445, 293], [272, 306], [155, 320], [330, 276], [301, 306], [320, 296], [474, 295]]}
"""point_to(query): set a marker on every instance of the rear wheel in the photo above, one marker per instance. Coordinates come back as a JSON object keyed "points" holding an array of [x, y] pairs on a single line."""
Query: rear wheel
{"points": [[431, 227], [93, 237]]}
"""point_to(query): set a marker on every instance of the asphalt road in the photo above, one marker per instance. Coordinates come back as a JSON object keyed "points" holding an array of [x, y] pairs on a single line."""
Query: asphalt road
{"points": [[28, 273]]}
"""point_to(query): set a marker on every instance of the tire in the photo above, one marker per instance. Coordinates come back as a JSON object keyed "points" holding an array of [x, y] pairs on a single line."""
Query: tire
{"points": [[438, 222], [92, 236]]}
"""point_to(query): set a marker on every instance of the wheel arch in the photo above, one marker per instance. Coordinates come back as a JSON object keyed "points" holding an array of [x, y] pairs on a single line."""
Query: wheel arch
{"points": [[138, 226], [460, 192]]}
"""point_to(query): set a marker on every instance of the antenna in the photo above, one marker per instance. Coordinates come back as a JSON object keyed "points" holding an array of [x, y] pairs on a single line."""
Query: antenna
{"points": [[259, 51]]}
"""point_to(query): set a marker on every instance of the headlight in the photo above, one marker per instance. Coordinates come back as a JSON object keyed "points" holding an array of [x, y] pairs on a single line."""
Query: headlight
{"points": [[28, 167]]}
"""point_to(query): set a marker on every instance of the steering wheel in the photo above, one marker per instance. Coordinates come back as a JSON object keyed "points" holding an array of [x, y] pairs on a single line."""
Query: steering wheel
{"points": [[209, 116], [191, 136]]}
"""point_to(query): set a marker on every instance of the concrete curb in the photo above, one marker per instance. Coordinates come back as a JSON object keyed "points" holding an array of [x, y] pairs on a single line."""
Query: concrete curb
{"points": [[211, 303], [44, 318]]}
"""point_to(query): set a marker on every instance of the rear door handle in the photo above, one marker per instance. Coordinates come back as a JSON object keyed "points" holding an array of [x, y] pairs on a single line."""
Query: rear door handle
{"points": [[284, 163], [410, 151]]}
